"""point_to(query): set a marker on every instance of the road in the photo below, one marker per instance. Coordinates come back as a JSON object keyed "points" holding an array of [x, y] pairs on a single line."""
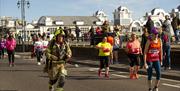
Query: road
{"points": [[28, 76]]}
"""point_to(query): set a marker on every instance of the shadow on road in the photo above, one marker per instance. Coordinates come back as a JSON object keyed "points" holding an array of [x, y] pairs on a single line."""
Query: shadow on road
{"points": [[93, 78], [15, 70]]}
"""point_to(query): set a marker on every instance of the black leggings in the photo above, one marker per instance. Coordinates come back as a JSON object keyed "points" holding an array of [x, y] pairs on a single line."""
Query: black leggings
{"points": [[39, 55], [2, 53], [11, 55], [104, 61]]}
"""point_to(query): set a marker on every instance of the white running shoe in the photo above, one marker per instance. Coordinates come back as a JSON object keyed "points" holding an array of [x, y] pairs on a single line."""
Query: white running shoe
{"points": [[51, 88], [39, 63]]}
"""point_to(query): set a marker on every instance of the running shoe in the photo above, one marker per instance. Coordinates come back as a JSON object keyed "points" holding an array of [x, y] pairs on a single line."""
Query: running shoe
{"points": [[155, 89], [51, 87], [99, 73], [132, 76], [136, 76], [107, 75], [59, 89], [39, 63], [150, 89]]}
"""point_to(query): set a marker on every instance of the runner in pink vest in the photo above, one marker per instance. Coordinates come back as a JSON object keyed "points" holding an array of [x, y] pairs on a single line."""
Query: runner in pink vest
{"points": [[10, 46], [133, 50]]}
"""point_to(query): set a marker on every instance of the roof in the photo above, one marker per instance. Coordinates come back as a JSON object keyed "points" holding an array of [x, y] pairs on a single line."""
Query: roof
{"points": [[122, 8], [69, 20], [178, 7], [156, 11]]}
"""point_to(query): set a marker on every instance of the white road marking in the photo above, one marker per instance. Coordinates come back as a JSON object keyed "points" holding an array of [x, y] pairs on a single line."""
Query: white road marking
{"points": [[123, 72], [119, 75], [171, 80], [170, 85], [93, 69], [164, 79], [96, 69]]}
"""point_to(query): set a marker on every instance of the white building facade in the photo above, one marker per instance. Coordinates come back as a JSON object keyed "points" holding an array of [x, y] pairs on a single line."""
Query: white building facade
{"points": [[122, 16]]}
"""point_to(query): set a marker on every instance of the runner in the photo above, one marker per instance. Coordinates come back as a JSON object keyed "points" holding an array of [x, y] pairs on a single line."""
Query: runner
{"points": [[133, 49], [44, 47], [2, 47], [153, 58], [110, 40], [105, 50], [38, 47], [58, 52], [10, 46]]}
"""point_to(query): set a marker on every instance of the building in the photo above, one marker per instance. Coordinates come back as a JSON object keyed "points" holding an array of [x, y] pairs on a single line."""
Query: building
{"points": [[101, 16], [122, 16], [157, 15], [7, 24], [14, 25], [136, 26], [49, 24]]}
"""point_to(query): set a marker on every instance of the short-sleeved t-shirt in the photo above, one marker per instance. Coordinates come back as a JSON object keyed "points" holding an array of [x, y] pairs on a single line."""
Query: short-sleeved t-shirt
{"points": [[107, 48]]}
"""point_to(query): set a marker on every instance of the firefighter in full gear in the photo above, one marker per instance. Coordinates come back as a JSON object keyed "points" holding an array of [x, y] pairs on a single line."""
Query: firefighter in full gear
{"points": [[57, 53]]}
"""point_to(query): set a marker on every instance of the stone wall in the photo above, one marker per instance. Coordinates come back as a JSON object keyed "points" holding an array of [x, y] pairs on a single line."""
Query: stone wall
{"points": [[92, 53]]}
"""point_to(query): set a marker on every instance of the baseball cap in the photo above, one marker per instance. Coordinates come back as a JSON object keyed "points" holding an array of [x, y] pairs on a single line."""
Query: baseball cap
{"points": [[154, 30]]}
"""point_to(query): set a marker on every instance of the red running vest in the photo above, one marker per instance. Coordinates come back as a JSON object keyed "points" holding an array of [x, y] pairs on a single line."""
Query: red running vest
{"points": [[154, 51]]}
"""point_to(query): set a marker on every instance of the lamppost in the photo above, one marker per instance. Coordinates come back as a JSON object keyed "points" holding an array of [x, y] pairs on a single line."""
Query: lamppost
{"points": [[22, 4]]}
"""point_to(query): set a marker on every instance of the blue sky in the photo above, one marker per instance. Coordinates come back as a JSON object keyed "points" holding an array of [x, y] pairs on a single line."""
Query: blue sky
{"points": [[40, 8]]}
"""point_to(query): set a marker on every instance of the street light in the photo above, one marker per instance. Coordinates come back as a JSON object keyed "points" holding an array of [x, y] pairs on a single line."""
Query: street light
{"points": [[22, 4]]}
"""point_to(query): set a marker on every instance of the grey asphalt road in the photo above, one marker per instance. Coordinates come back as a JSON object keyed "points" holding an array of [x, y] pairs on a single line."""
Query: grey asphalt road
{"points": [[28, 76]]}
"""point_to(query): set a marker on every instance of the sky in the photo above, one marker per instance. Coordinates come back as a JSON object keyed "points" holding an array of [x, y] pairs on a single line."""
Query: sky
{"points": [[40, 8]]}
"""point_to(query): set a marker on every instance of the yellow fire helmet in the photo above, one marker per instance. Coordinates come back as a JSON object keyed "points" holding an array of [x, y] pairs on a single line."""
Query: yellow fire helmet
{"points": [[58, 31]]}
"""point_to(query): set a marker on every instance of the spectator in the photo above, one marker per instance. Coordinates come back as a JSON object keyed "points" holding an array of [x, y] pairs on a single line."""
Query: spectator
{"points": [[175, 23], [149, 24], [66, 31], [19, 39], [10, 46], [167, 25], [98, 31], [105, 27], [77, 30], [72, 37], [121, 36], [91, 33], [110, 40], [116, 46], [143, 43], [166, 42]]}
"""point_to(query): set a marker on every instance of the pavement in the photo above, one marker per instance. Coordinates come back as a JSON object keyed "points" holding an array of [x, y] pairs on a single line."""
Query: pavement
{"points": [[174, 73]]}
